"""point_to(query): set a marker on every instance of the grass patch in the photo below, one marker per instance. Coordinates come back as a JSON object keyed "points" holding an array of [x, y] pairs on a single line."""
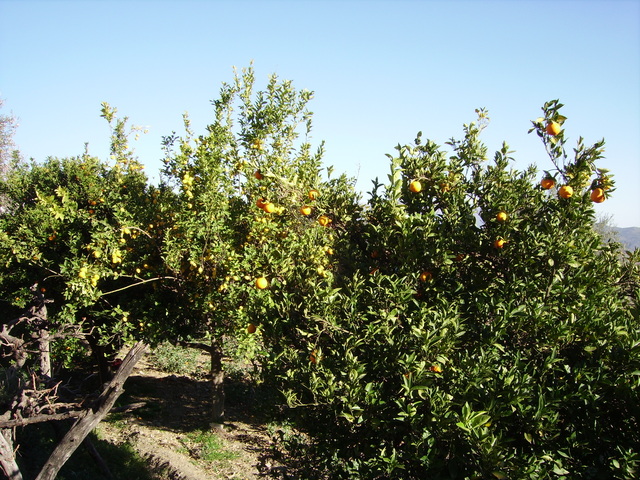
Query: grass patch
{"points": [[207, 446], [172, 359]]}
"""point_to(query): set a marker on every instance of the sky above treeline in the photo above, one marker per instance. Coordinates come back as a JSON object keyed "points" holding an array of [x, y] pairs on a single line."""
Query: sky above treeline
{"points": [[381, 71]]}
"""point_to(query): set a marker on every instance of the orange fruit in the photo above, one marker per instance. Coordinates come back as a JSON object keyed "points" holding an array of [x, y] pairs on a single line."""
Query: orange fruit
{"points": [[501, 216], [375, 254], [597, 195], [553, 128], [547, 183], [499, 243], [251, 328], [566, 191], [313, 357], [258, 175], [269, 207], [415, 186], [260, 203], [313, 194], [324, 220], [426, 276], [436, 369], [306, 210], [262, 283]]}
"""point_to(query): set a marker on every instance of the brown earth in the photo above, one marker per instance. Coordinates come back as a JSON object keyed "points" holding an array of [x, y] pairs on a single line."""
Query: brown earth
{"points": [[165, 430]]}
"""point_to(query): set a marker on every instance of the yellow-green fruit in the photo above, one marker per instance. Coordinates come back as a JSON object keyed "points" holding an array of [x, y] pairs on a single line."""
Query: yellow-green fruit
{"points": [[415, 186], [566, 191]]}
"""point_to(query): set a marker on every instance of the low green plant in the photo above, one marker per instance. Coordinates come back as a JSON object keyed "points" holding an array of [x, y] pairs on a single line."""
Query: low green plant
{"points": [[174, 359], [206, 445]]}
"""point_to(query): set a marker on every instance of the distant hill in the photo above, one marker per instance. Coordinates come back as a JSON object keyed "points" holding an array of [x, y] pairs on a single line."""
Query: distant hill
{"points": [[629, 237]]}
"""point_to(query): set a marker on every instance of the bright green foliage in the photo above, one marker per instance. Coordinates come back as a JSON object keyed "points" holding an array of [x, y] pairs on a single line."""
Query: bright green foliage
{"points": [[76, 236], [478, 328], [257, 151], [517, 360]]}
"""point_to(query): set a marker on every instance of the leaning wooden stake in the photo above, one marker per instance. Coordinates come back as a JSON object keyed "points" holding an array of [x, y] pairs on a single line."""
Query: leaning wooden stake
{"points": [[83, 426]]}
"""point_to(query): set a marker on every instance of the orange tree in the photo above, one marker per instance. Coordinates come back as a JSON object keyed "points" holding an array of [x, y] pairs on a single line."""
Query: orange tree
{"points": [[76, 235], [476, 327], [251, 236]]}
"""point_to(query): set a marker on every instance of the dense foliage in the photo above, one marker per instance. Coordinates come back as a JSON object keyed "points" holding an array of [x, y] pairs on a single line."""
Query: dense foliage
{"points": [[464, 321]]}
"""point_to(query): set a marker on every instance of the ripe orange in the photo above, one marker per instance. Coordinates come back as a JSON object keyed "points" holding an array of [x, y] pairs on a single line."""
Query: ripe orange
{"points": [[597, 195], [251, 328], [553, 128], [375, 254], [566, 191], [415, 186], [426, 276], [436, 369], [306, 210], [313, 194], [547, 183], [501, 216], [324, 220], [499, 243], [262, 283], [260, 203], [269, 207], [258, 175]]}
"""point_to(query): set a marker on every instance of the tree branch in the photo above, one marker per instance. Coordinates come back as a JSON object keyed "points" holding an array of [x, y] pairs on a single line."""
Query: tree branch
{"points": [[83, 426]]}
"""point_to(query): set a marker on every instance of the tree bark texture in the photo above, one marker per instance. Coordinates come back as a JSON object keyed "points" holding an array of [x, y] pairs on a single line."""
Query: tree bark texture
{"points": [[7, 457], [217, 382]]}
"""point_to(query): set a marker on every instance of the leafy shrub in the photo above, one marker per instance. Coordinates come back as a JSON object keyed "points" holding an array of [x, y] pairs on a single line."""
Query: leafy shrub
{"points": [[442, 353], [174, 359]]}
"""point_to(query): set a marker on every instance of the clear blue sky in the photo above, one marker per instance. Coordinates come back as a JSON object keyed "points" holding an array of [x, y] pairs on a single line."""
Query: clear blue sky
{"points": [[381, 71]]}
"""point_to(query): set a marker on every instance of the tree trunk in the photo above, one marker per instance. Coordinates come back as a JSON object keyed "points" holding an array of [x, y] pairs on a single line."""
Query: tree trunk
{"points": [[83, 426], [7, 457], [44, 345], [217, 382]]}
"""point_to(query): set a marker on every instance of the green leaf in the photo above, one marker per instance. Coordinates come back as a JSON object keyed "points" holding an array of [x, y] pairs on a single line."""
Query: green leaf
{"points": [[558, 470], [462, 426]]}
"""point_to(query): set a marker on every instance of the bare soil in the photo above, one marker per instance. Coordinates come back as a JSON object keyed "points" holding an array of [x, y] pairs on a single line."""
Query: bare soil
{"points": [[176, 410]]}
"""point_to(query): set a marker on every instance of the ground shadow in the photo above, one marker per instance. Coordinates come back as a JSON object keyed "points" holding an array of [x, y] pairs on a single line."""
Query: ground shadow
{"points": [[181, 403]]}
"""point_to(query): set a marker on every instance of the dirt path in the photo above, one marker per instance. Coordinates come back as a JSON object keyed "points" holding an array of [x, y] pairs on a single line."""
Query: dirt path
{"points": [[169, 430]]}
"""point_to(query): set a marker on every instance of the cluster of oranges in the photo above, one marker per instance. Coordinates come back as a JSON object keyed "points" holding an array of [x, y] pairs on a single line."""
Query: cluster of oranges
{"points": [[262, 282], [566, 191]]}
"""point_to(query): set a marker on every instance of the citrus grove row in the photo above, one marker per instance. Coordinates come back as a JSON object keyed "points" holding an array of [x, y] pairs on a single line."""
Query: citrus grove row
{"points": [[463, 320]]}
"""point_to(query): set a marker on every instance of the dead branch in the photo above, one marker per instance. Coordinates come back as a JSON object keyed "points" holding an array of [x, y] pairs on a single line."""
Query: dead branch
{"points": [[83, 426]]}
